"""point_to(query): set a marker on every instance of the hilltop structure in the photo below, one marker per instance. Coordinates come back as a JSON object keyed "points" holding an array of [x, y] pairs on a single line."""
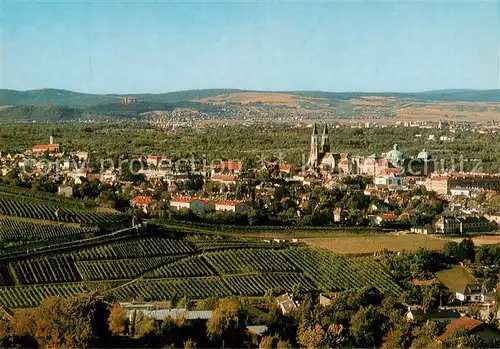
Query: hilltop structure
{"points": [[128, 100]]}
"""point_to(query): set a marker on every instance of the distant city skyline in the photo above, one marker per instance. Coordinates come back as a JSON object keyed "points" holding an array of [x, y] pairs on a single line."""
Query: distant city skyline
{"points": [[155, 47]]}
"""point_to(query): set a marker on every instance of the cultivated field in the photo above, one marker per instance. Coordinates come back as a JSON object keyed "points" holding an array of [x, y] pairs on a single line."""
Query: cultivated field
{"points": [[360, 244], [156, 263], [368, 107], [455, 278], [483, 240], [275, 99]]}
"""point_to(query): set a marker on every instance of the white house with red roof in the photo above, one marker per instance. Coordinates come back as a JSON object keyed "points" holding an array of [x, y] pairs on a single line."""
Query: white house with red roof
{"points": [[390, 177], [144, 202], [232, 206], [386, 218], [197, 205]]}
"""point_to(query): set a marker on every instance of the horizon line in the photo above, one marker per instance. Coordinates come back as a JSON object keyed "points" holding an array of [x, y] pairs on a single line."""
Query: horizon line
{"points": [[251, 90]]}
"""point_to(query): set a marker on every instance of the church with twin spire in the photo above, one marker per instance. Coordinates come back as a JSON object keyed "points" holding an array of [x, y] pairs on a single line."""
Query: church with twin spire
{"points": [[320, 148], [322, 159]]}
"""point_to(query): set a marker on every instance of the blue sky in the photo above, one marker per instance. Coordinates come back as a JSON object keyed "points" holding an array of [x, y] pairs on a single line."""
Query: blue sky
{"points": [[133, 47]]}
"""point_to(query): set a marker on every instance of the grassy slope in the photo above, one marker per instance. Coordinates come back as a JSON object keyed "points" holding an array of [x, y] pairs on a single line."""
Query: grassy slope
{"points": [[455, 278]]}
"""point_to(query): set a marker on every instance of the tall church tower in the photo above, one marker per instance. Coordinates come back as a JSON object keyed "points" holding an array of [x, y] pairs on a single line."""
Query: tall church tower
{"points": [[313, 154], [325, 142]]}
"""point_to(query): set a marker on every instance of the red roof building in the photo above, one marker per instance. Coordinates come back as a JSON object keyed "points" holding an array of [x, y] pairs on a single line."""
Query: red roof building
{"points": [[230, 166], [389, 216], [225, 179], [464, 323], [52, 148], [287, 168], [142, 200]]}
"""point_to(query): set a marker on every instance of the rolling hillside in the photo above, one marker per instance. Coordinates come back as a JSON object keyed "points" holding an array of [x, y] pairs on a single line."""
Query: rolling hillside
{"points": [[76, 99], [61, 105]]}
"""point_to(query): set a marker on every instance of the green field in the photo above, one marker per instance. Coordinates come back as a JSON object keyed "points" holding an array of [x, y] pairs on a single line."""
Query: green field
{"points": [[455, 278]]}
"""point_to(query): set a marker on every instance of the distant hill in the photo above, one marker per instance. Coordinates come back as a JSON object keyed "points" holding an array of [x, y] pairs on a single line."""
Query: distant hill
{"points": [[76, 99], [438, 95], [39, 113], [54, 97], [63, 105]]}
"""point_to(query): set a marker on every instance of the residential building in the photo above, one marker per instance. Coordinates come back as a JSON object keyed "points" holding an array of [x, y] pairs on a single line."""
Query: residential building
{"points": [[224, 179], [495, 219], [162, 314], [470, 326], [468, 192], [144, 202], [386, 218], [476, 293], [77, 176], [443, 183], [470, 293], [286, 303], [232, 206], [339, 215], [390, 177], [229, 167], [462, 225], [422, 230], [442, 316], [198, 206]]}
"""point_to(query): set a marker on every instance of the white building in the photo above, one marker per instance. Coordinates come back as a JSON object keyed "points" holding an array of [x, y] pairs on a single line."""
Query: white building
{"points": [[386, 218], [82, 155], [470, 293], [233, 206], [198, 206], [65, 190], [390, 178], [468, 192], [76, 176]]}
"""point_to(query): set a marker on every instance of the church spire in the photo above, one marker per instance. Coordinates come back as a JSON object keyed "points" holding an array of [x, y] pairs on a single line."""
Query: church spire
{"points": [[313, 153], [325, 142]]}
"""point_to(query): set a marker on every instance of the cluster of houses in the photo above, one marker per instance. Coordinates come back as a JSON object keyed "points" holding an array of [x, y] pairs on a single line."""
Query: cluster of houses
{"points": [[325, 168], [198, 206]]}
